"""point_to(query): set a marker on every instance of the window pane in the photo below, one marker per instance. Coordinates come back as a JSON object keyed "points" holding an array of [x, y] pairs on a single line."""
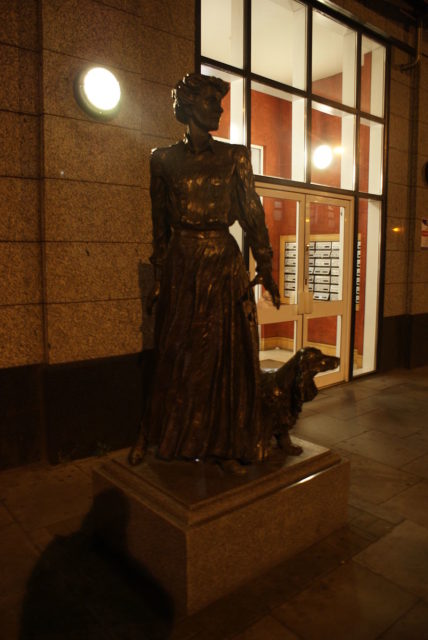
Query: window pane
{"points": [[325, 334], [278, 339], [333, 141], [367, 286], [222, 31], [333, 60], [277, 344], [372, 77], [326, 242], [232, 126], [281, 217], [278, 127], [278, 40], [371, 156]]}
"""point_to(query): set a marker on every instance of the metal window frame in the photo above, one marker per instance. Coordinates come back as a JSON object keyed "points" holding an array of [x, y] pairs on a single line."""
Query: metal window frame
{"points": [[344, 17]]}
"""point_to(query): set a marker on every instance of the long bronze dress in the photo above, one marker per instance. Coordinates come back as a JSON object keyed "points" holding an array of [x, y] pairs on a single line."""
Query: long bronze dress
{"points": [[205, 399]]}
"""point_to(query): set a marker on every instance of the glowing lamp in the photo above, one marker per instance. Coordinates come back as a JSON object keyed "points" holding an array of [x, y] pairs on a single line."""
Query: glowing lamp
{"points": [[322, 156], [98, 92]]}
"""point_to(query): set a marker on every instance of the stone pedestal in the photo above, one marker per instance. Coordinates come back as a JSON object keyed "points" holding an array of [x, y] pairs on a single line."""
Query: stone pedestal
{"points": [[201, 533]]}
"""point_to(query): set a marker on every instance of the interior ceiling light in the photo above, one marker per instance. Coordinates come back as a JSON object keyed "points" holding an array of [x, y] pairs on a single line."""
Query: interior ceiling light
{"points": [[98, 92], [322, 156]]}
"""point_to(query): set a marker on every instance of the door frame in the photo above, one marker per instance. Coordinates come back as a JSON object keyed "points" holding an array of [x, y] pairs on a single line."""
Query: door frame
{"points": [[305, 306]]}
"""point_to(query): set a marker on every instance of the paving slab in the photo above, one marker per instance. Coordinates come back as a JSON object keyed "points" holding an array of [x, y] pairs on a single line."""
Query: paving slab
{"points": [[389, 450], [351, 602], [412, 503], [412, 626], [266, 629], [373, 481], [401, 557]]}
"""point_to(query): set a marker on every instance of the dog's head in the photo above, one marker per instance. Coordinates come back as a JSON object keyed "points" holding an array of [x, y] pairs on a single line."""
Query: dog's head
{"points": [[311, 362]]}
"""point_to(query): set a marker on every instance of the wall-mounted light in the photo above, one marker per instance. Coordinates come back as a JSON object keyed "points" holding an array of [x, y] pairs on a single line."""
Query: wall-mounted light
{"points": [[98, 92]]}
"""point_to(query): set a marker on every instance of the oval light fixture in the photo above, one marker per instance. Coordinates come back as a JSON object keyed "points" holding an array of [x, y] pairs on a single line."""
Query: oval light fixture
{"points": [[322, 156], [98, 92]]}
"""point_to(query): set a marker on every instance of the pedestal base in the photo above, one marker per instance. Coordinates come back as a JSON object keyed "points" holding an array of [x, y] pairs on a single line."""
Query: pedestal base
{"points": [[201, 533]]}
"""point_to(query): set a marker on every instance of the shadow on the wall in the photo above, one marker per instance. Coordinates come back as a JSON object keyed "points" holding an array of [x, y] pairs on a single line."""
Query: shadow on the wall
{"points": [[79, 589]]}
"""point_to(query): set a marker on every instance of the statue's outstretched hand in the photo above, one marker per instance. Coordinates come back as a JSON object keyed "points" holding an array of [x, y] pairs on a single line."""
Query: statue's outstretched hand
{"points": [[153, 297], [270, 285]]}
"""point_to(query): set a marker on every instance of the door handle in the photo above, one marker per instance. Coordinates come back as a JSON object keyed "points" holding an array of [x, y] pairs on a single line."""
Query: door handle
{"points": [[305, 302], [308, 301]]}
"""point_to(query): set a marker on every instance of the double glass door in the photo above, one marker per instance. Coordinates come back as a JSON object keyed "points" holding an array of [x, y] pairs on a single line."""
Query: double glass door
{"points": [[311, 237]]}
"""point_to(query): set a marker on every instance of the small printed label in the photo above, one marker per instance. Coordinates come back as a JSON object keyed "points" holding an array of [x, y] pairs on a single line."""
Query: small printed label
{"points": [[321, 296]]}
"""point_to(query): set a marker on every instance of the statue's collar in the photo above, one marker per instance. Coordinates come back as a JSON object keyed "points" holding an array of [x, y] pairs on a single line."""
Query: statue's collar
{"points": [[208, 146]]}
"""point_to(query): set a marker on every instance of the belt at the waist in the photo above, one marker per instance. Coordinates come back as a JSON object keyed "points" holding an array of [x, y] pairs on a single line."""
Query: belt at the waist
{"points": [[219, 232]]}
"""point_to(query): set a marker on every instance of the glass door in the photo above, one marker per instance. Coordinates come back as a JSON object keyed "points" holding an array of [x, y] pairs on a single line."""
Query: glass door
{"points": [[311, 239]]}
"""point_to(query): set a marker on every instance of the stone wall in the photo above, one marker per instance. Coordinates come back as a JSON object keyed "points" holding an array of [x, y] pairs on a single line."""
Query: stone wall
{"points": [[74, 191], [75, 228], [96, 203], [21, 289]]}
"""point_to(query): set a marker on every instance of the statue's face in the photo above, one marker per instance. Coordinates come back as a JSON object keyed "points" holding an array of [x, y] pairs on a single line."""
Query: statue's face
{"points": [[206, 109]]}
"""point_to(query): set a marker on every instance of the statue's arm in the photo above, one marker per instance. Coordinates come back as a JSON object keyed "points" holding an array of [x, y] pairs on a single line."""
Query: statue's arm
{"points": [[251, 217], [160, 223]]}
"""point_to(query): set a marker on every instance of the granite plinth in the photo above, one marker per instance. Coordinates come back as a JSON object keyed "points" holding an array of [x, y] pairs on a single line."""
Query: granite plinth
{"points": [[201, 533]]}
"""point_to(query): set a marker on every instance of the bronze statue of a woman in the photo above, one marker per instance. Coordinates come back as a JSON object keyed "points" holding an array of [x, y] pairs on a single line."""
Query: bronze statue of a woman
{"points": [[205, 400]]}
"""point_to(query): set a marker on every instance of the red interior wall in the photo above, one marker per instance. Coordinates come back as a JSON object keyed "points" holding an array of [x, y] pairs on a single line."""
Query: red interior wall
{"points": [[329, 87], [271, 129]]}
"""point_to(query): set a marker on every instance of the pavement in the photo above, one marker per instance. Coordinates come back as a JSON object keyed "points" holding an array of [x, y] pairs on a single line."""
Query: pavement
{"points": [[369, 580]]}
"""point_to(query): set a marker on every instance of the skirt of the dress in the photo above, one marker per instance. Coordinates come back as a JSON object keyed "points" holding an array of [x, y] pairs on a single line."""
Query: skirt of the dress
{"points": [[205, 398]]}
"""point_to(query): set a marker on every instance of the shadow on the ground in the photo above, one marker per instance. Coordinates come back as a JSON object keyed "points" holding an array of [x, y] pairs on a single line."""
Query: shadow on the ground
{"points": [[81, 590]]}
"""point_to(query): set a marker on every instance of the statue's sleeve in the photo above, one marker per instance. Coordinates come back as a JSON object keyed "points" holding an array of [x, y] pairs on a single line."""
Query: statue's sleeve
{"points": [[160, 219], [250, 213]]}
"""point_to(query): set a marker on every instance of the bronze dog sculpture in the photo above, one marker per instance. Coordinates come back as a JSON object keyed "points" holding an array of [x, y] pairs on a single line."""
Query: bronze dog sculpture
{"points": [[284, 391]]}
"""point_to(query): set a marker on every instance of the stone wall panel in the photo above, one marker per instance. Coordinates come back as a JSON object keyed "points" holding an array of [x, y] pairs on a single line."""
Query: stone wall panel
{"points": [[18, 23], [77, 150], [20, 273], [395, 300], [82, 331], [174, 56], [20, 210], [19, 145], [399, 131], [93, 32], [85, 211], [19, 89], [400, 99], [21, 335], [396, 267], [398, 200], [77, 272], [419, 298]]}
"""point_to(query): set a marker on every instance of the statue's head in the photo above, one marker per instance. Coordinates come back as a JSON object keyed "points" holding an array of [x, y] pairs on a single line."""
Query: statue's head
{"points": [[199, 97]]}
